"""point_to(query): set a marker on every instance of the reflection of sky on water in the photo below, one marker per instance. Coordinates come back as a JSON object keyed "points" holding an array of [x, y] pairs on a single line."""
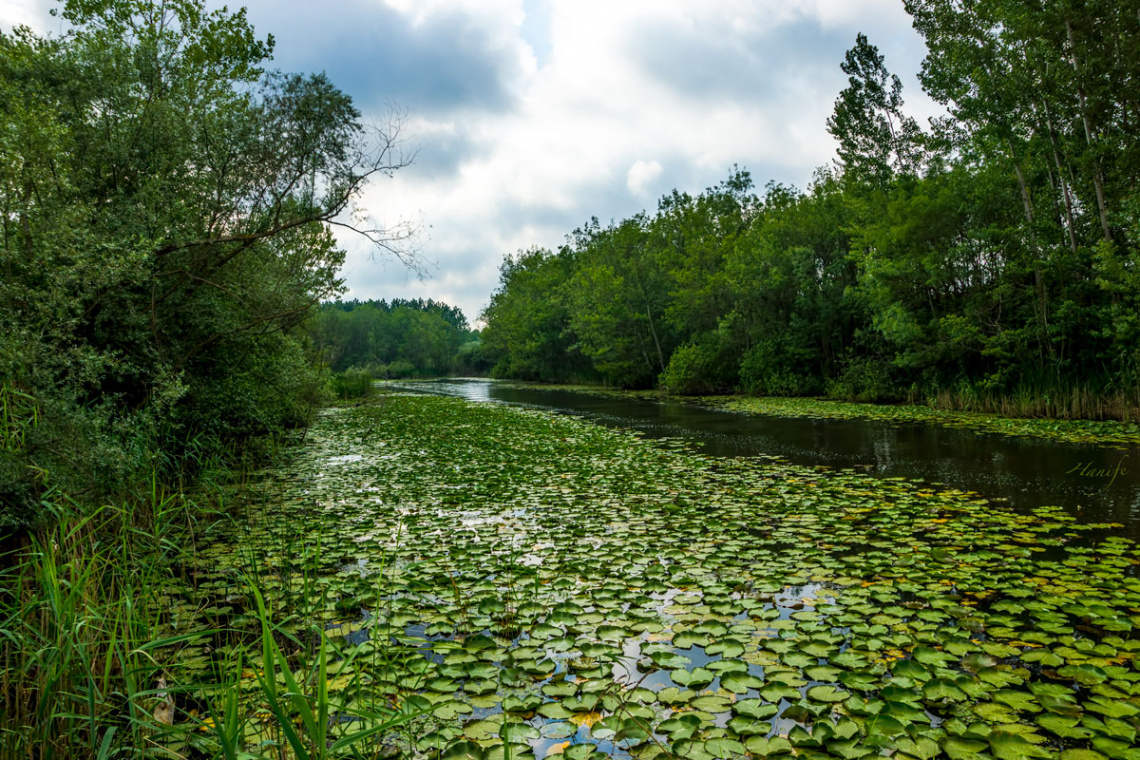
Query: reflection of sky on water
{"points": [[629, 670], [1026, 472]]}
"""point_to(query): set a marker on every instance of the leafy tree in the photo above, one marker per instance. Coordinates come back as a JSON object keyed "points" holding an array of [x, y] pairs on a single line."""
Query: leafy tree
{"points": [[166, 208], [528, 333], [876, 140], [617, 299], [423, 336]]}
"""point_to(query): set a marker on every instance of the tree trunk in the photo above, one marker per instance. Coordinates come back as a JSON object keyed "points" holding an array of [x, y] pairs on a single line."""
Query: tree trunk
{"points": [[1061, 177], [1098, 174]]}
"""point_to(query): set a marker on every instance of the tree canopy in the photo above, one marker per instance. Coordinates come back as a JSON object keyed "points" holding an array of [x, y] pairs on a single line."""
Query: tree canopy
{"points": [[395, 338], [167, 208]]}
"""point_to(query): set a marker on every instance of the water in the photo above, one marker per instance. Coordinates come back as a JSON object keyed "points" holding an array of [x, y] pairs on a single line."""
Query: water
{"points": [[1025, 472]]}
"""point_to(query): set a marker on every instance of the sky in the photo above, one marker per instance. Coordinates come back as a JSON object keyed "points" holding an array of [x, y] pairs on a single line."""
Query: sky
{"points": [[529, 117]]}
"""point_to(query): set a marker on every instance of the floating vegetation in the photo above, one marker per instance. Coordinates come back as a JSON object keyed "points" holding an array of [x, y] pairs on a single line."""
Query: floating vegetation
{"points": [[1102, 432], [1106, 432], [524, 584]]}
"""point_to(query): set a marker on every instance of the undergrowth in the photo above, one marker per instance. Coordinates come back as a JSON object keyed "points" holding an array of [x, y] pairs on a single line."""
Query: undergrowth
{"points": [[91, 649]]}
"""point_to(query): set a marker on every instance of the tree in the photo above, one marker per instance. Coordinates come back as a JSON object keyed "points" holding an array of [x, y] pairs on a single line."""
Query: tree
{"points": [[528, 333], [617, 299], [167, 210], [875, 139]]}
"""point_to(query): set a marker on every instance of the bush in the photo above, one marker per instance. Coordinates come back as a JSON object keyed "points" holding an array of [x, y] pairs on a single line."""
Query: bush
{"points": [[771, 369], [697, 368], [398, 369], [865, 379], [472, 359], [352, 383]]}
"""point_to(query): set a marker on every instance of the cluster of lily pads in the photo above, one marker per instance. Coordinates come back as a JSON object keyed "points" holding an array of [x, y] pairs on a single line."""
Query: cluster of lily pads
{"points": [[531, 585]]}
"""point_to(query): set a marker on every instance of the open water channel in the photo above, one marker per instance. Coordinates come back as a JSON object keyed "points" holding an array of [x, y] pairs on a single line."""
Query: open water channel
{"points": [[1096, 483]]}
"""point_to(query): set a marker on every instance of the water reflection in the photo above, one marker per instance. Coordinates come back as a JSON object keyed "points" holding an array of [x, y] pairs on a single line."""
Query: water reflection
{"points": [[1026, 472]]}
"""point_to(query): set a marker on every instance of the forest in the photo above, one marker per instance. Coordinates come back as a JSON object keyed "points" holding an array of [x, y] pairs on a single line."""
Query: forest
{"points": [[990, 260], [395, 339]]}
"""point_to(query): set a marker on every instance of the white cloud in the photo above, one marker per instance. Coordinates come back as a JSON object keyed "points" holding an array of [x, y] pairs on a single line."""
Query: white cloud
{"points": [[32, 13], [641, 175]]}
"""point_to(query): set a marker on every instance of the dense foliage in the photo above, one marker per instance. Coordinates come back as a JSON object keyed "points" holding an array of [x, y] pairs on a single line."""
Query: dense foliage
{"points": [[995, 256], [166, 207], [400, 338]]}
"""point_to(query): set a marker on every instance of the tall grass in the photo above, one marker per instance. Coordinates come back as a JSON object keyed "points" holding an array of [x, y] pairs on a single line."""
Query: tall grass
{"points": [[89, 654], [1033, 400], [78, 618]]}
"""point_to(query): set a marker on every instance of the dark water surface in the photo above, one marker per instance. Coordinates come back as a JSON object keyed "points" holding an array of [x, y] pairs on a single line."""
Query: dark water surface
{"points": [[1095, 483]]}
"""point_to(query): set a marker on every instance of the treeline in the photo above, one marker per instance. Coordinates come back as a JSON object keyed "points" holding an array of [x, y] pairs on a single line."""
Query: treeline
{"points": [[991, 261], [397, 338], [166, 206]]}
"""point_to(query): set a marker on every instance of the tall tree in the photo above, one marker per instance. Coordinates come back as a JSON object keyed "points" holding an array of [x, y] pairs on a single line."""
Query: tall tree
{"points": [[528, 333], [876, 140]]}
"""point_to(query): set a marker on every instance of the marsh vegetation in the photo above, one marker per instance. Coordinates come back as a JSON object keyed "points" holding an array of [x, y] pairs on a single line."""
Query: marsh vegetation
{"points": [[512, 581]]}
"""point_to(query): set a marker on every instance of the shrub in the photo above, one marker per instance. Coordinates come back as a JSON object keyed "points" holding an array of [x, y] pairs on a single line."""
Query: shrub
{"points": [[772, 369], [352, 383], [696, 368]]}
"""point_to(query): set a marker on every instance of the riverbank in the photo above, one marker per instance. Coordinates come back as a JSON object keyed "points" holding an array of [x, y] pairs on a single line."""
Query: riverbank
{"points": [[1099, 432]]}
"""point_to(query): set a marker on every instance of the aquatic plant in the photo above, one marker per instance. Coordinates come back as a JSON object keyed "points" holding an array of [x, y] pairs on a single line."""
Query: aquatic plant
{"points": [[1101, 432], [536, 585], [430, 577]]}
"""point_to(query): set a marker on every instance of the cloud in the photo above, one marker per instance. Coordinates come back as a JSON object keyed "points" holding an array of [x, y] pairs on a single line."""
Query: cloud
{"points": [[532, 116], [631, 99], [641, 175], [435, 60], [33, 13]]}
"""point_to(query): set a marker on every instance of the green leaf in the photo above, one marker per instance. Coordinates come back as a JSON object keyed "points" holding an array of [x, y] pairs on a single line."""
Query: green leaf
{"points": [[827, 694], [1010, 746]]}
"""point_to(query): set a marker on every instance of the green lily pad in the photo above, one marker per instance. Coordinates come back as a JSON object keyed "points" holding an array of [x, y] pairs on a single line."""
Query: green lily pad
{"points": [[827, 694], [1081, 754], [463, 751], [696, 678], [482, 730], [757, 709], [580, 751], [452, 710], [774, 692], [725, 648], [740, 683], [764, 747], [711, 703], [1011, 746], [963, 749], [518, 733], [561, 689]]}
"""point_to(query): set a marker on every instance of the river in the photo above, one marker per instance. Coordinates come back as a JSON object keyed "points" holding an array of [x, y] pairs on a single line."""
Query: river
{"points": [[1094, 483]]}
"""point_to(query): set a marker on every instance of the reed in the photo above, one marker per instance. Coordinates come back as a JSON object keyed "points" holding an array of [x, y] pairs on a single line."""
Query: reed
{"points": [[87, 647], [1033, 401]]}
